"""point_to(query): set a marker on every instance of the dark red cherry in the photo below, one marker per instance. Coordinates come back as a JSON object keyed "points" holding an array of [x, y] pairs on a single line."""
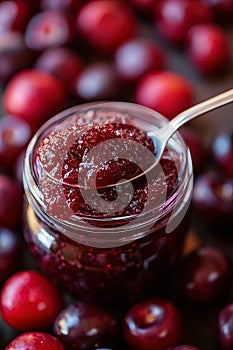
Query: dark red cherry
{"points": [[14, 15], [83, 326], [61, 62], [212, 198], [194, 142], [105, 25], [208, 49], [152, 325], [49, 28], [223, 152], [11, 203], [225, 327], [167, 92], [14, 135], [29, 301], [10, 252], [173, 18], [203, 275], [35, 341], [97, 81], [145, 7], [137, 57], [14, 55]]}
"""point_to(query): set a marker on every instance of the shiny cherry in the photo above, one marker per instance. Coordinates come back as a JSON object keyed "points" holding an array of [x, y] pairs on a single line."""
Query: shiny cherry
{"points": [[34, 96], [14, 15], [49, 28], [152, 325], [223, 152], [203, 275], [65, 5], [61, 62], [29, 301], [173, 18], [10, 252], [35, 341], [212, 198], [225, 327], [11, 203], [97, 81], [14, 135], [167, 92], [83, 326], [208, 49], [105, 25], [137, 57]]}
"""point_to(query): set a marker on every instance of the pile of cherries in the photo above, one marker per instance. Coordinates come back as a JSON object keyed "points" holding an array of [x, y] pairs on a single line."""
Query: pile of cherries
{"points": [[58, 53]]}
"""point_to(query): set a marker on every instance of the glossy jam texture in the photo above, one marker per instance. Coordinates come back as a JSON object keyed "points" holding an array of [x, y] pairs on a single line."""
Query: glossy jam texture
{"points": [[102, 274]]}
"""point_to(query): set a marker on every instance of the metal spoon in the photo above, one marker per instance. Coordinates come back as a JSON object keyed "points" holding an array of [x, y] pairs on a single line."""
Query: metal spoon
{"points": [[162, 136]]}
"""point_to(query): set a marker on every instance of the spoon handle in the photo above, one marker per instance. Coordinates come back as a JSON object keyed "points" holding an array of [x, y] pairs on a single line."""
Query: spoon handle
{"points": [[217, 101]]}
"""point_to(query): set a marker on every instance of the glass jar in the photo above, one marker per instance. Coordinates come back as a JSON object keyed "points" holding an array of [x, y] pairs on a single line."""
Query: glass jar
{"points": [[97, 235]]}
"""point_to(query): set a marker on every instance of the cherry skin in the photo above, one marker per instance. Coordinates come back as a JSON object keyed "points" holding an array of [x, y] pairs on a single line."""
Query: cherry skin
{"points": [[223, 152], [34, 96], [14, 135], [49, 28], [195, 144], [203, 275], [212, 198], [97, 81], [152, 325], [14, 15], [29, 301], [105, 25], [173, 18], [61, 62], [65, 5], [83, 325], [225, 327], [167, 92], [14, 55], [145, 7], [11, 203], [136, 57], [35, 341], [10, 252], [208, 49]]}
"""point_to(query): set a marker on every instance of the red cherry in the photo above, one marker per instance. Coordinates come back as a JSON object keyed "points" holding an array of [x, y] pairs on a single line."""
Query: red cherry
{"points": [[167, 92], [35, 341], [14, 15], [225, 327], [144, 6], [67, 5], [11, 203], [152, 325], [173, 18], [208, 49], [105, 25], [48, 29], [223, 9], [14, 136], [136, 57], [61, 62], [14, 55], [34, 96], [203, 275], [29, 301]]}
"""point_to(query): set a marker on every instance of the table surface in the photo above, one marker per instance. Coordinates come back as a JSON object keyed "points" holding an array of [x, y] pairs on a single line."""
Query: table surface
{"points": [[200, 322]]}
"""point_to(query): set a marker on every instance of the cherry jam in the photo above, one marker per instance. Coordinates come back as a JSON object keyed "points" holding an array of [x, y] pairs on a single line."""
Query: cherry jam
{"points": [[96, 232]]}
